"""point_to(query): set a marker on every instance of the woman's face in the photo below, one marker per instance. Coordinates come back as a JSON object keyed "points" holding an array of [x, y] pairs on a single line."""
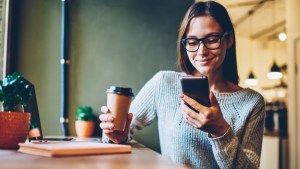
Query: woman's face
{"points": [[207, 62]]}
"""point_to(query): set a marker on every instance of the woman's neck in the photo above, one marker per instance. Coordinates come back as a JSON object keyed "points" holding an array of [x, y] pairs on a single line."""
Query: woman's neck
{"points": [[217, 83]]}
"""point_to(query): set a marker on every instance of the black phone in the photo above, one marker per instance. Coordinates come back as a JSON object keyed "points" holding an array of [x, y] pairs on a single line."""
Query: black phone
{"points": [[196, 87]]}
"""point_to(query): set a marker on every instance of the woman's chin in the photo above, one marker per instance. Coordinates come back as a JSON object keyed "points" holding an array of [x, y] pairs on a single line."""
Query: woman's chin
{"points": [[203, 71]]}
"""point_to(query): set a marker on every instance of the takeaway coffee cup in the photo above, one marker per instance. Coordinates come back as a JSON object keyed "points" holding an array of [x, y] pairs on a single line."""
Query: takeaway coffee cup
{"points": [[118, 102]]}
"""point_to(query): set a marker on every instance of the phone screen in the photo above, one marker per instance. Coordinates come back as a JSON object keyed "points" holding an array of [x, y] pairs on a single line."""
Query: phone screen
{"points": [[197, 88]]}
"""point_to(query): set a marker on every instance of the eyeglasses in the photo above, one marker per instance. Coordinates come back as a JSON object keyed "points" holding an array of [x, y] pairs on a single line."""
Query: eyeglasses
{"points": [[211, 42]]}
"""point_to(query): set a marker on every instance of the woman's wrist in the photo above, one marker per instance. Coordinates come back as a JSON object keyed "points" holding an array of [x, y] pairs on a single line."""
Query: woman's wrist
{"points": [[222, 131]]}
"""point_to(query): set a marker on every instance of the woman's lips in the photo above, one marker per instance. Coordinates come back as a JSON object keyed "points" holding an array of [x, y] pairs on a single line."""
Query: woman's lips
{"points": [[203, 61]]}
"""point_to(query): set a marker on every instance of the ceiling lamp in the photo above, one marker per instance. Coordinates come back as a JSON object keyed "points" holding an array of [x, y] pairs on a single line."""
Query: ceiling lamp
{"points": [[251, 81], [282, 36], [275, 72]]}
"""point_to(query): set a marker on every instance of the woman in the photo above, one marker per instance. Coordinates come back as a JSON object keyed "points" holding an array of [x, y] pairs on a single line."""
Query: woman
{"points": [[228, 134]]}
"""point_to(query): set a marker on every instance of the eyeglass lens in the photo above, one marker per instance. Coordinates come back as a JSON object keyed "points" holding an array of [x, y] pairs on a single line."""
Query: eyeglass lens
{"points": [[210, 42]]}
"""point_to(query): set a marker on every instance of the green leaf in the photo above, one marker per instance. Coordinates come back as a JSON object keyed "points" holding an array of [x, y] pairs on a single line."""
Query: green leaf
{"points": [[14, 91], [84, 113]]}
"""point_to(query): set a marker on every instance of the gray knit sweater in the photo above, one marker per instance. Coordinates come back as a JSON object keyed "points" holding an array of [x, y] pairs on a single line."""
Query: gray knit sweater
{"points": [[239, 148]]}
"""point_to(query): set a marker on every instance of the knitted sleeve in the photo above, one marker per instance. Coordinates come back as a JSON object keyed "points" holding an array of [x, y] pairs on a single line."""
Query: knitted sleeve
{"points": [[230, 152], [143, 105]]}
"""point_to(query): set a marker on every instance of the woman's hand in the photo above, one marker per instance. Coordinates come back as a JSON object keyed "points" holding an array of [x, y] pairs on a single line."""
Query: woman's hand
{"points": [[209, 119], [108, 127]]}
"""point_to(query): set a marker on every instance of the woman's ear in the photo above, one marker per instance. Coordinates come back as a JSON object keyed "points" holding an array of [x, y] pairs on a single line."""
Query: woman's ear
{"points": [[230, 40]]}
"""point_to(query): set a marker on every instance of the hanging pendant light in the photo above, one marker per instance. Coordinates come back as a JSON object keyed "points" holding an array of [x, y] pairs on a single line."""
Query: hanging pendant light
{"points": [[282, 36], [251, 81], [275, 72]]}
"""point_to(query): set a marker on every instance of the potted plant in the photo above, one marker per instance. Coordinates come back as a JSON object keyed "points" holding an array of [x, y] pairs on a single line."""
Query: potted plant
{"points": [[84, 124], [14, 122]]}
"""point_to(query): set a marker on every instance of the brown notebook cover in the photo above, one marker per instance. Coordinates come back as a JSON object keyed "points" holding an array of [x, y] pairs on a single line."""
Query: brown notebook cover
{"points": [[59, 149]]}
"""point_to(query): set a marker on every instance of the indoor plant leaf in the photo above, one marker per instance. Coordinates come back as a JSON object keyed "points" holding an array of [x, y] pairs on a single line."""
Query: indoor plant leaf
{"points": [[14, 92]]}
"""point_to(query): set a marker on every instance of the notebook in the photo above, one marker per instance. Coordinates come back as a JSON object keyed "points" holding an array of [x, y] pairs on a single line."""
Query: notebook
{"points": [[36, 133], [61, 149]]}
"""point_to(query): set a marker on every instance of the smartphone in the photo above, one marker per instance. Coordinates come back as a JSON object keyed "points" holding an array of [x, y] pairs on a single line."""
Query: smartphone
{"points": [[196, 87]]}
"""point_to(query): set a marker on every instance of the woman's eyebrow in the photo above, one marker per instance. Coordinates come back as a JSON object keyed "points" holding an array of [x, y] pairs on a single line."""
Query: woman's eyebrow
{"points": [[209, 34]]}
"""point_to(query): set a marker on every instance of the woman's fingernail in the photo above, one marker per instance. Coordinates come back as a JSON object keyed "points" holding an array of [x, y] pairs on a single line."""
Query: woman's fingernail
{"points": [[104, 109], [111, 126], [110, 118], [181, 95]]}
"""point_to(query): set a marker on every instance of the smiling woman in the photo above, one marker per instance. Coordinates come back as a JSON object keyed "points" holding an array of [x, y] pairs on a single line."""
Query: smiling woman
{"points": [[228, 132], [4, 35]]}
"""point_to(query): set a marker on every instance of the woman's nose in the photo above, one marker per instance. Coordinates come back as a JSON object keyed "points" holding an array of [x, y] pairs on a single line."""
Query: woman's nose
{"points": [[202, 49]]}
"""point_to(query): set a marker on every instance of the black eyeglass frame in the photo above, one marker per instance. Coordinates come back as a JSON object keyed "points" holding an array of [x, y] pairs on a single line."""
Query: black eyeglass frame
{"points": [[220, 36]]}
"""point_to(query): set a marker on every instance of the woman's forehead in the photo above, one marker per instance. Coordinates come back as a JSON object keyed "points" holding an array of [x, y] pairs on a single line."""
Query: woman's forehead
{"points": [[202, 25]]}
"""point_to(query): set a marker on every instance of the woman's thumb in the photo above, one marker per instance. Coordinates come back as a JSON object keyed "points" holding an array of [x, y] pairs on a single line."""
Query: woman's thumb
{"points": [[212, 98]]}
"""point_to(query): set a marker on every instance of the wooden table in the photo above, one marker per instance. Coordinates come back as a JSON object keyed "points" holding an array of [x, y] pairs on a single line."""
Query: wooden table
{"points": [[140, 158]]}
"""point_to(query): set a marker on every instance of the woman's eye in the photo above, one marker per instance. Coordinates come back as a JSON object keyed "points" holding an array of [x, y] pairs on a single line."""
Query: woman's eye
{"points": [[211, 39], [192, 42]]}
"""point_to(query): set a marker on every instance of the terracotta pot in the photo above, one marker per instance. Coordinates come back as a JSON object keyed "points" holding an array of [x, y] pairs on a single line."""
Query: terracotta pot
{"points": [[14, 127], [84, 129]]}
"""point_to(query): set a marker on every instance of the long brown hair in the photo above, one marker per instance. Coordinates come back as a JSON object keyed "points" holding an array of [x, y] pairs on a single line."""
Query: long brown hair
{"points": [[220, 14]]}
